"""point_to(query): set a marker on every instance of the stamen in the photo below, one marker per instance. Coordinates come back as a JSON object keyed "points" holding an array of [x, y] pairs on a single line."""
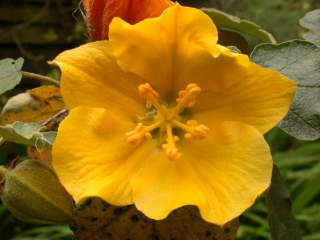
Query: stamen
{"points": [[167, 119], [151, 97], [170, 147], [141, 132], [193, 128], [187, 98]]}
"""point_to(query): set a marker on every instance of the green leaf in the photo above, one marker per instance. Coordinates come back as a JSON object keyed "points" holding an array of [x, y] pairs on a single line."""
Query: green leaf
{"points": [[27, 134], [283, 225], [309, 193], [306, 155], [311, 21], [10, 74], [300, 61], [227, 21]]}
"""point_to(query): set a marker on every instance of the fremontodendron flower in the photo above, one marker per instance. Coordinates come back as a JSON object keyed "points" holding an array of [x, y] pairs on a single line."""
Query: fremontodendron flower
{"points": [[162, 116]]}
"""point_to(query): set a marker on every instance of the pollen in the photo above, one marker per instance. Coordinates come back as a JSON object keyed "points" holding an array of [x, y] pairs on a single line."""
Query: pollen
{"points": [[168, 119]]}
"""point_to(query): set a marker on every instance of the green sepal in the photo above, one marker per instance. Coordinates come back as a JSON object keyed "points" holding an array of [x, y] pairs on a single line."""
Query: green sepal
{"points": [[33, 193]]}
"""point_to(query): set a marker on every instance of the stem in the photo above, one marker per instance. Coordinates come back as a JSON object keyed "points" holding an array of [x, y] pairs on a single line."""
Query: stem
{"points": [[39, 77]]}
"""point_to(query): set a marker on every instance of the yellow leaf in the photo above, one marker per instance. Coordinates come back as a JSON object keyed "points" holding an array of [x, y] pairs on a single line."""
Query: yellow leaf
{"points": [[97, 220], [35, 105]]}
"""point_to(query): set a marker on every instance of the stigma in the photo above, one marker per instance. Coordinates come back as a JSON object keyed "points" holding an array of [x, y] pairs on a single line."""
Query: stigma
{"points": [[168, 119]]}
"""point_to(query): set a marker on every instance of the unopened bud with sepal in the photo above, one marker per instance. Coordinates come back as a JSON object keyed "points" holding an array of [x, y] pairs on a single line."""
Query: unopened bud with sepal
{"points": [[32, 193]]}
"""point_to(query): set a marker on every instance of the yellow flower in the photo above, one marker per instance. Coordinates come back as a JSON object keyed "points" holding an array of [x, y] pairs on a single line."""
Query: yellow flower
{"points": [[162, 116]]}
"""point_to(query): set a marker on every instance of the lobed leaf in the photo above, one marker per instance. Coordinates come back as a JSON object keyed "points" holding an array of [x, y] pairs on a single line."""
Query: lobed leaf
{"points": [[311, 21], [28, 134], [10, 74], [300, 61], [228, 21]]}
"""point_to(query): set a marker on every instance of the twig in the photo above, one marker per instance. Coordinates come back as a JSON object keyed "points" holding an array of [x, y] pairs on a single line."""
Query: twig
{"points": [[39, 77]]}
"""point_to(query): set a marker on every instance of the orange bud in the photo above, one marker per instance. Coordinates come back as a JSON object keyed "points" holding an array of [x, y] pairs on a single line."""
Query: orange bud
{"points": [[99, 13]]}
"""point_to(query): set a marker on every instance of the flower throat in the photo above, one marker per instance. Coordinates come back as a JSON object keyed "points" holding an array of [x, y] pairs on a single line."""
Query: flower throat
{"points": [[168, 119]]}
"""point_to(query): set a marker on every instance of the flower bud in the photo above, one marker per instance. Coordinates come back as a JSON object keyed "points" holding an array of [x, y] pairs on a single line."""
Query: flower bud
{"points": [[99, 13], [32, 193]]}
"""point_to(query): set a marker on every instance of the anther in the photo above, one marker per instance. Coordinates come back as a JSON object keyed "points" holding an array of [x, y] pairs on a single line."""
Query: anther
{"points": [[196, 131], [171, 150], [151, 97], [141, 132], [187, 97], [148, 93]]}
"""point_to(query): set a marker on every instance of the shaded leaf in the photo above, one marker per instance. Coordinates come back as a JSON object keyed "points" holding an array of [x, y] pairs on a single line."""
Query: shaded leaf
{"points": [[311, 21], [300, 61], [97, 220], [231, 38], [27, 134], [10, 74], [227, 21], [35, 105], [283, 225]]}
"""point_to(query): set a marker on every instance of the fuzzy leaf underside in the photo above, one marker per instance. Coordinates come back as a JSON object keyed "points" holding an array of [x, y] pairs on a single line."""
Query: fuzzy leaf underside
{"points": [[300, 61]]}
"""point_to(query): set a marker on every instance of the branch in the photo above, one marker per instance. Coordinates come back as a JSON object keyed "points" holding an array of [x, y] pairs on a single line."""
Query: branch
{"points": [[40, 77]]}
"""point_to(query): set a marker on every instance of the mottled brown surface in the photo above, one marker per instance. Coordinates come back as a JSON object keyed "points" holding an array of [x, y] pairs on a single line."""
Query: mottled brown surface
{"points": [[97, 220]]}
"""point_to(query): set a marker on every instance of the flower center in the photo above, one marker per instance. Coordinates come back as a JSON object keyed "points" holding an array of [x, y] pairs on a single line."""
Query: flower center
{"points": [[168, 119]]}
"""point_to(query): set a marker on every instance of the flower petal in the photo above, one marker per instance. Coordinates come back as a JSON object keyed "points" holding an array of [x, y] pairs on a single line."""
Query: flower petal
{"points": [[261, 98], [92, 157], [178, 46], [91, 77], [222, 175]]}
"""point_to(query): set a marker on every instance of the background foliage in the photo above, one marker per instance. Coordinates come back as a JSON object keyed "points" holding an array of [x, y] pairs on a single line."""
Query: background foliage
{"points": [[40, 29]]}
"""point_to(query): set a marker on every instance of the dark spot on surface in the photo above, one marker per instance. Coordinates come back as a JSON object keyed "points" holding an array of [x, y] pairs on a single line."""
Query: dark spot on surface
{"points": [[134, 218], [94, 219], [120, 210], [82, 228], [104, 209], [88, 202], [142, 227], [208, 233], [104, 204], [173, 238], [227, 230], [109, 235], [213, 238]]}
